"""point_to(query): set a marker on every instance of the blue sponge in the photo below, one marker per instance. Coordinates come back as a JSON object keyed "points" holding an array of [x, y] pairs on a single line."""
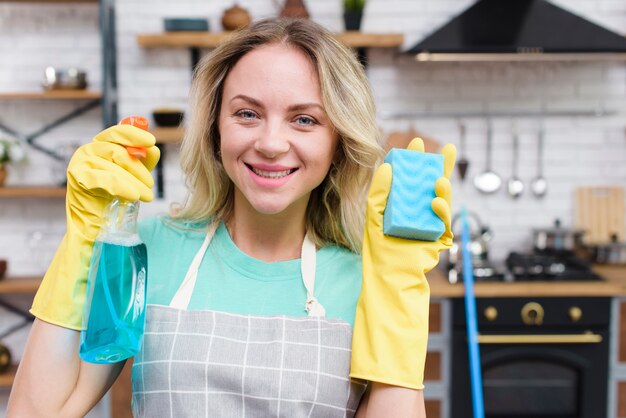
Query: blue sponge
{"points": [[408, 213]]}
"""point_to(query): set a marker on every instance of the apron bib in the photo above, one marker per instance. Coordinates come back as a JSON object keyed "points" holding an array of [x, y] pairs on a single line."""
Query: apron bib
{"points": [[205, 363]]}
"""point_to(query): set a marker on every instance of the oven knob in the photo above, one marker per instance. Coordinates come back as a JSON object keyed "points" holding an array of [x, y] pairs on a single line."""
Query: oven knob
{"points": [[575, 313], [491, 313], [532, 313]]}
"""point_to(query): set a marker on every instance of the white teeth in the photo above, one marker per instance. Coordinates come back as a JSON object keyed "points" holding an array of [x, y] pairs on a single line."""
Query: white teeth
{"points": [[271, 174]]}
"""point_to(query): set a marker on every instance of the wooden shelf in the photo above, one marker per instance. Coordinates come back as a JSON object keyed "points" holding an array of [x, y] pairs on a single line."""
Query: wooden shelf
{"points": [[168, 135], [182, 39], [51, 94], [19, 284], [213, 39], [7, 378], [32, 191], [357, 39]]}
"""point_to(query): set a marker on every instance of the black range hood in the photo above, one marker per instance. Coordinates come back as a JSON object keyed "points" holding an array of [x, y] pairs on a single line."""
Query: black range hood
{"points": [[519, 30]]}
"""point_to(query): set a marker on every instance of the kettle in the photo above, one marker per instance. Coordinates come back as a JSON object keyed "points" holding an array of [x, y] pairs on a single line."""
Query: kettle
{"points": [[480, 235]]}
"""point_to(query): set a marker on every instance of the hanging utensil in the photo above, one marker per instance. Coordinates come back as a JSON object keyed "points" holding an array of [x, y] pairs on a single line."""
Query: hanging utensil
{"points": [[488, 181], [462, 163], [539, 185], [515, 186]]}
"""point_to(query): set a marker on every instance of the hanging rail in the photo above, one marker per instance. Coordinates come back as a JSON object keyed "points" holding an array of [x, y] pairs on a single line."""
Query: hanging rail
{"points": [[498, 114]]}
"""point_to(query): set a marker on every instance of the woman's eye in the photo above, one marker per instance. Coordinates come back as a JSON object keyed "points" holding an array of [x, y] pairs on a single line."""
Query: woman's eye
{"points": [[246, 114], [305, 121]]}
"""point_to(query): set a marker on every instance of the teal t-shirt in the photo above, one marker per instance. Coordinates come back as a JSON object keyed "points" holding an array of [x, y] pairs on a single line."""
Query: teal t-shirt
{"points": [[231, 281]]}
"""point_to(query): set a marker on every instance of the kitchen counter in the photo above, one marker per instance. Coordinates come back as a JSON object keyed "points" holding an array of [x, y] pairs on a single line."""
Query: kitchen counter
{"points": [[614, 285]]}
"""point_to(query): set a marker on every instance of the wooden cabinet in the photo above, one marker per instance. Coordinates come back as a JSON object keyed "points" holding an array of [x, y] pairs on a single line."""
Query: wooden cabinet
{"points": [[619, 362], [9, 286], [621, 400], [436, 381]]}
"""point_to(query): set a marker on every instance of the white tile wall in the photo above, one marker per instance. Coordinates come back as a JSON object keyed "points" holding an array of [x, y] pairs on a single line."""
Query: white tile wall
{"points": [[579, 151]]}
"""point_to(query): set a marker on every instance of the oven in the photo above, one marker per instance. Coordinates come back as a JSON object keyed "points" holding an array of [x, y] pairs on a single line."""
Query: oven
{"points": [[540, 357]]}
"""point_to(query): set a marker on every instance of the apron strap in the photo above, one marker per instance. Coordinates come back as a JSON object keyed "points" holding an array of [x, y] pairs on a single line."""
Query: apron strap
{"points": [[307, 268], [183, 294]]}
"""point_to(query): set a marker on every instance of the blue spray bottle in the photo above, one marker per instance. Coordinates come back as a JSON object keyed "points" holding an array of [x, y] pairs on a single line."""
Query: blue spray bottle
{"points": [[114, 315]]}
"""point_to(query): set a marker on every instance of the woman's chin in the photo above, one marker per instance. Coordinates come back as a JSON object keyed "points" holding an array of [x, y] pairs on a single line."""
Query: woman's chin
{"points": [[269, 208]]}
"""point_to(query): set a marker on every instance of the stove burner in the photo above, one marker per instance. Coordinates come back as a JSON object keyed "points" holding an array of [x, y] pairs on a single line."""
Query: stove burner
{"points": [[549, 266]]}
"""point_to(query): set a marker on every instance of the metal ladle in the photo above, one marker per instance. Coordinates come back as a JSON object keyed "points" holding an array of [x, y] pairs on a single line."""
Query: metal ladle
{"points": [[515, 186], [488, 181], [462, 163], [539, 185]]}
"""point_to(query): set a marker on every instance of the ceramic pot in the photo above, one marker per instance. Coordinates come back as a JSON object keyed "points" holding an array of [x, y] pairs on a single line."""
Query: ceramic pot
{"points": [[295, 9], [5, 358], [235, 18], [352, 20], [3, 175]]}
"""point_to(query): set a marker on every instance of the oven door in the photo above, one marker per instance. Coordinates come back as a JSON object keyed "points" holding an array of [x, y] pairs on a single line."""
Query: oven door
{"points": [[547, 373], [534, 380]]}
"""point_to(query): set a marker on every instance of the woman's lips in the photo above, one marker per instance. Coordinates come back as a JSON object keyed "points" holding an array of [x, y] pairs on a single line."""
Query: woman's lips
{"points": [[270, 175]]}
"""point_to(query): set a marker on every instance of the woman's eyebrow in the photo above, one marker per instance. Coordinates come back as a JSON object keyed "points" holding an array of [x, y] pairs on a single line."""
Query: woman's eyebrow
{"points": [[295, 107], [304, 106], [248, 99]]}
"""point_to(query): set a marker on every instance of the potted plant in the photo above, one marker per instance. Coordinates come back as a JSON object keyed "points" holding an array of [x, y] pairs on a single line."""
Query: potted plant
{"points": [[11, 151], [352, 14]]}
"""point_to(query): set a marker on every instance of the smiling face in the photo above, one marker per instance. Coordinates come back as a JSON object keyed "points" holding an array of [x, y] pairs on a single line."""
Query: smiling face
{"points": [[276, 141]]}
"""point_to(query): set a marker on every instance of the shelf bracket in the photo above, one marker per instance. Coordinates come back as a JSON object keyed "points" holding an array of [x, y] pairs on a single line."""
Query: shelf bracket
{"points": [[158, 172], [195, 58], [18, 311], [15, 328], [361, 54], [30, 138]]}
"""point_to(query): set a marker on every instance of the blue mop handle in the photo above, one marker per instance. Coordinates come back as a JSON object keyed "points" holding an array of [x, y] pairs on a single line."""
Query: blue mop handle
{"points": [[472, 326]]}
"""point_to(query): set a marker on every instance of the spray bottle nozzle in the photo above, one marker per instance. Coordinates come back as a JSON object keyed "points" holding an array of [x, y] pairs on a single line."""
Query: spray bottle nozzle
{"points": [[141, 123]]}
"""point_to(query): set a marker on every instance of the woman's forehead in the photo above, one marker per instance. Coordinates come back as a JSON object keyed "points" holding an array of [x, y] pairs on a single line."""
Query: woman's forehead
{"points": [[274, 71]]}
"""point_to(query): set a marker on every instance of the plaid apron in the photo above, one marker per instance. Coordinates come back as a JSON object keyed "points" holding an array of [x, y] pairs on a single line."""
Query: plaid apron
{"points": [[216, 364]]}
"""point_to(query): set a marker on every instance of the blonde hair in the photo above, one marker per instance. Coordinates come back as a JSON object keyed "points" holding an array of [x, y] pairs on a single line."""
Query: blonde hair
{"points": [[335, 212]]}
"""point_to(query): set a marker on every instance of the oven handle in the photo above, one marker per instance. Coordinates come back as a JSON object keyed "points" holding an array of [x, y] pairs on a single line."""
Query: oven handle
{"points": [[586, 338]]}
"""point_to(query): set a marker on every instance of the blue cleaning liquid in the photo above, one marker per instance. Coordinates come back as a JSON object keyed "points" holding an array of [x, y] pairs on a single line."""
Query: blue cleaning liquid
{"points": [[113, 323]]}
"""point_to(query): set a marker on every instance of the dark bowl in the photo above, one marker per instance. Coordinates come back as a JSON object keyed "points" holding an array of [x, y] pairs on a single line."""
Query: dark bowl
{"points": [[168, 117], [176, 24], [3, 268]]}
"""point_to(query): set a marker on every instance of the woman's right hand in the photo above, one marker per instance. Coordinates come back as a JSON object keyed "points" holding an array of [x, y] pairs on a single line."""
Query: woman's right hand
{"points": [[97, 172], [103, 169]]}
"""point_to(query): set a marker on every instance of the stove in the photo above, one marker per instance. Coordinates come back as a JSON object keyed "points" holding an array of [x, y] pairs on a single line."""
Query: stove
{"points": [[535, 266], [549, 266]]}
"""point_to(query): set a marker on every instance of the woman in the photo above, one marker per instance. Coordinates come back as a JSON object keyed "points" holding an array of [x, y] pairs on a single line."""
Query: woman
{"points": [[254, 282]]}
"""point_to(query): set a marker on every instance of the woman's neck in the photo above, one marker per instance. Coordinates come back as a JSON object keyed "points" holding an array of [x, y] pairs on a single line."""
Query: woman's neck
{"points": [[267, 237]]}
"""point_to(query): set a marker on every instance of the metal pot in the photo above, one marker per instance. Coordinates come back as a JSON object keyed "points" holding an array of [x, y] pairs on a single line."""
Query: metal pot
{"points": [[480, 236], [60, 79], [557, 238], [611, 253]]}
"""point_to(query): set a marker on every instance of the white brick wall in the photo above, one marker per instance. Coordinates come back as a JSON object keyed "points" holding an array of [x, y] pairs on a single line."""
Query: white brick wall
{"points": [[579, 151]]}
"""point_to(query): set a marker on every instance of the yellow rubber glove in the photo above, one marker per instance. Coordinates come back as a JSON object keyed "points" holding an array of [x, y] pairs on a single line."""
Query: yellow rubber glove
{"points": [[97, 172], [390, 336]]}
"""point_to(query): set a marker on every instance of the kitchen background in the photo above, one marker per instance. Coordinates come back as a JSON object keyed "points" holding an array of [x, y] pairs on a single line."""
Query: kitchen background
{"points": [[578, 150]]}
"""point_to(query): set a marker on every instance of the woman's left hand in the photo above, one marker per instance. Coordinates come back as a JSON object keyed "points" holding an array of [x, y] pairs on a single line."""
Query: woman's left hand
{"points": [[391, 326]]}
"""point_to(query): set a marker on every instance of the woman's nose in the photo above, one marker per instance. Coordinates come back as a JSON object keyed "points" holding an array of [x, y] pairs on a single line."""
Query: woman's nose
{"points": [[272, 141]]}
